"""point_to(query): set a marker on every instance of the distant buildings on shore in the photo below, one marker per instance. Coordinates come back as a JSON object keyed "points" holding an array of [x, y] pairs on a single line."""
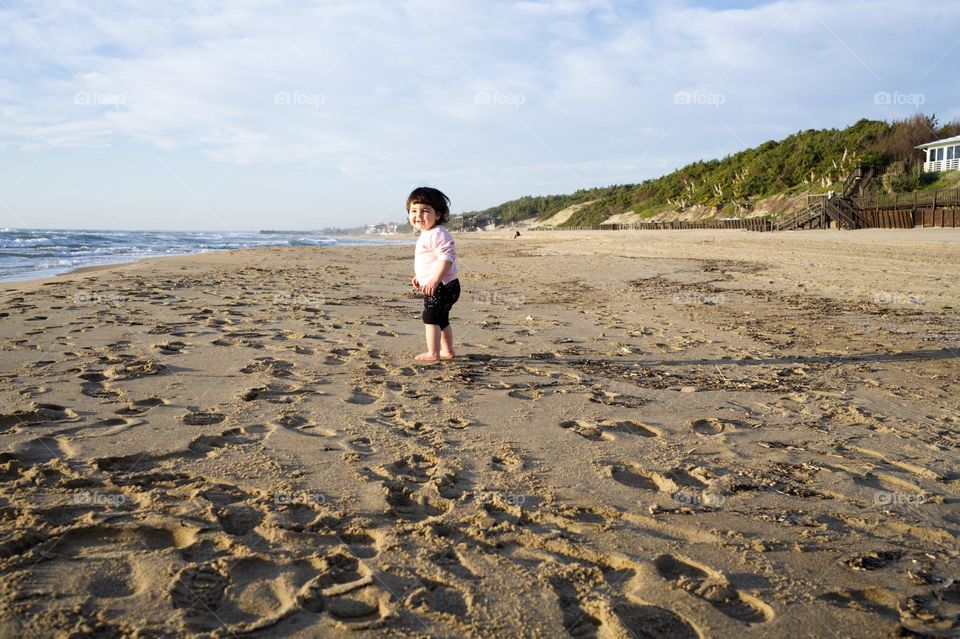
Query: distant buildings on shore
{"points": [[382, 229]]}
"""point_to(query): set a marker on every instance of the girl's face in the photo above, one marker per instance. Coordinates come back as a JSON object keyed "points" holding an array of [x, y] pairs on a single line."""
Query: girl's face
{"points": [[422, 217]]}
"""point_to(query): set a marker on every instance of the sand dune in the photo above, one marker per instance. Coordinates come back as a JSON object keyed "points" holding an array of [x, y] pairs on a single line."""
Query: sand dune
{"points": [[661, 434]]}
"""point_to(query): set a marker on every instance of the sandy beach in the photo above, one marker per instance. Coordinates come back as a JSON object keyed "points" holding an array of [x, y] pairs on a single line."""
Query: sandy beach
{"points": [[646, 434]]}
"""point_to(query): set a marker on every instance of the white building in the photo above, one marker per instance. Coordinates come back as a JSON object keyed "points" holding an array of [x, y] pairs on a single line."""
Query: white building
{"points": [[942, 155]]}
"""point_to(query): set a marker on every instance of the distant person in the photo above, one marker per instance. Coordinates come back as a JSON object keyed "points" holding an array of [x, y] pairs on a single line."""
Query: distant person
{"points": [[435, 268]]}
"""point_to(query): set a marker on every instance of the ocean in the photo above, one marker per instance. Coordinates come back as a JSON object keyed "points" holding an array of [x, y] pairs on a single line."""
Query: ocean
{"points": [[33, 253]]}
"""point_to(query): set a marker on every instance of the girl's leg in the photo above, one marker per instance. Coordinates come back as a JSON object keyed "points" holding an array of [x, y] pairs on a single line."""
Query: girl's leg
{"points": [[432, 334], [446, 343]]}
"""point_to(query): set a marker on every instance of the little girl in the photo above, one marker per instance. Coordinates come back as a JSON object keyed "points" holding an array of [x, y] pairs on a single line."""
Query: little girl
{"points": [[435, 268]]}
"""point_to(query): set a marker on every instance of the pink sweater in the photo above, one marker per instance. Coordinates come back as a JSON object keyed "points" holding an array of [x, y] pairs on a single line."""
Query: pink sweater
{"points": [[432, 246]]}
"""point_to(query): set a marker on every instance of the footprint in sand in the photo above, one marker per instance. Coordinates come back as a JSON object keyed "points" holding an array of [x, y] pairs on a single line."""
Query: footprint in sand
{"points": [[303, 425], [203, 418], [127, 367], [713, 426], [714, 588], [632, 476], [873, 560], [276, 393], [628, 427], [641, 621], [374, 370], [458, 423], [269, 365], [95, 385], [166, 329], [434, 596], [415, 468], [344, 352], [360, 397], [360, 544], [244, 595], [30, 391], [364, 608], [38, 413], [141, 406], [586, 429], [608, 398], [361, 445], [171, 348], [208, 444], [607, 430], [878, 600], [673, 482], [413, 487], [238, 519], [198, 589], [586, 514], [405, 502], [41, 449], [525, 394], [396, 420], [507, 460]]}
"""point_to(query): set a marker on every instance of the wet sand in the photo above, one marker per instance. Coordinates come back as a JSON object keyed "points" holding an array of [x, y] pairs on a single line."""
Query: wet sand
{"points": [[646, 434]]}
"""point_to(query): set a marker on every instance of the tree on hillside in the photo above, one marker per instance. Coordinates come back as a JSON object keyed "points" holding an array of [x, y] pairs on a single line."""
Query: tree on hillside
{"points": [[899, 142]]}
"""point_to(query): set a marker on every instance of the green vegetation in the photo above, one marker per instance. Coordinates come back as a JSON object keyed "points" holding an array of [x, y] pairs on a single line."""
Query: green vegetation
{"points": [[812, 160], [541, 207], [939, 181]]}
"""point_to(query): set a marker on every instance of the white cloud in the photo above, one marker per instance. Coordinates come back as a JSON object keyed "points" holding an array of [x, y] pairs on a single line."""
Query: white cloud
{"points": [[571, 90]]}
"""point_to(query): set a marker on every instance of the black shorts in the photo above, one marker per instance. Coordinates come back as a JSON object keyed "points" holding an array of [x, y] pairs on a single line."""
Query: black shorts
{"points": [[436, 307]]}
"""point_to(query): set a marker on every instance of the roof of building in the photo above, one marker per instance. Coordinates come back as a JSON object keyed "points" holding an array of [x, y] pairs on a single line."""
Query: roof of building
{"points": [[955, 139]]}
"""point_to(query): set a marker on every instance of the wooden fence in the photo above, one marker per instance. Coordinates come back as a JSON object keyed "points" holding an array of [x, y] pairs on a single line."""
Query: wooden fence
{"points": [[945, 217], [898, 201], [940, 208], [748, 224]]}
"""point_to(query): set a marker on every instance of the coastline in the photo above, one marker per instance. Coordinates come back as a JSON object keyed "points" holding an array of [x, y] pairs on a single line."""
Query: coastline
{"points": [[919, 235], [710, 433], [27, 254]]}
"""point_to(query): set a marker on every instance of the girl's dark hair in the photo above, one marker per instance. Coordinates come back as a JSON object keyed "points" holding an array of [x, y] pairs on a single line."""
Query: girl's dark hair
{"points": [[431, 197]]}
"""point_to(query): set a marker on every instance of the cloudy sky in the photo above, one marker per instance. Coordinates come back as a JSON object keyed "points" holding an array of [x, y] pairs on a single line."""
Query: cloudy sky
{"points": [[313, 113]]}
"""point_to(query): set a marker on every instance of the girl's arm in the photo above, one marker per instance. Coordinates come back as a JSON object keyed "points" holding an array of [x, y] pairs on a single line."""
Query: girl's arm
{"points": [[430, 286]]}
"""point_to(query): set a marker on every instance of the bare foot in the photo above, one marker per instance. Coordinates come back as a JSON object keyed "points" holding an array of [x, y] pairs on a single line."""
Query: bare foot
{"points": [[444, 355], [427, 357]]}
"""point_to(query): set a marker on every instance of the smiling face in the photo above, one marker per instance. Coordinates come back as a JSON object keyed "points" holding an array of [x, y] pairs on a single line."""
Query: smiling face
{"points": [[422, 217]]}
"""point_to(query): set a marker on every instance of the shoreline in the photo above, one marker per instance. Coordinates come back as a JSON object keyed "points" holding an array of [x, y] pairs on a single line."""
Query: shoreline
{"points": [[730, 244], [149, 244], [31, 275], [924, 235]]}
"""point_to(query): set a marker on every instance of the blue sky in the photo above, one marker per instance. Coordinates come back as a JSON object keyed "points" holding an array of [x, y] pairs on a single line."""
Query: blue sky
{"points": [[302, 115]]}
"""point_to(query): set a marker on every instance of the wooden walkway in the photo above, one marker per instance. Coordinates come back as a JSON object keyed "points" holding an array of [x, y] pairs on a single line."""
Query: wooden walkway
{"points": [[894, 211], [938, 209]]}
